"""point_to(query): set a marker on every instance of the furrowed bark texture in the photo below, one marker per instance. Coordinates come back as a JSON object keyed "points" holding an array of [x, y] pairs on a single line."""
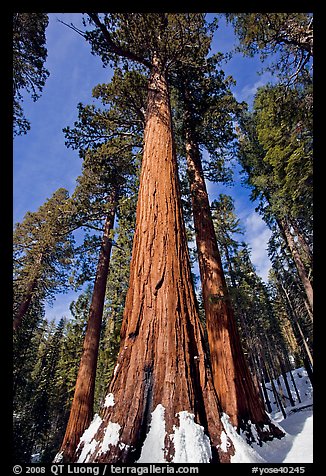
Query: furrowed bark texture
{"points": [[161, 359], [233, 382], [81, 412]]}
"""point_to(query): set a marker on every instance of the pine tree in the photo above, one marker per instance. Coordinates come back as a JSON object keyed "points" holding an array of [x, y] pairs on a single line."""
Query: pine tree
{"points": [[26, 344], [290, 296], [43, 251], [81, 411], [36, 401], [261, 326], [71, 349], [117, 287], [277, 158], [45, 405]]}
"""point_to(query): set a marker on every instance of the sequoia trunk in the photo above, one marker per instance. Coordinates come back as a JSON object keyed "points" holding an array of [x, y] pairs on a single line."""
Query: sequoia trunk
{"points": [[81, 412], [161, 382], [237, 393]]}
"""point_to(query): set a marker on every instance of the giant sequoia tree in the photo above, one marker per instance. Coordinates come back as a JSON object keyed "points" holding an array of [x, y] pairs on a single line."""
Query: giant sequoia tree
{"points": [[161, 372], [208, 108], [106, 143]]}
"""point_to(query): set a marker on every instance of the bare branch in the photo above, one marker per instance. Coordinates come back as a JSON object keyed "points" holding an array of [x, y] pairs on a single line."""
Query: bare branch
{"points": [[73, 27]]}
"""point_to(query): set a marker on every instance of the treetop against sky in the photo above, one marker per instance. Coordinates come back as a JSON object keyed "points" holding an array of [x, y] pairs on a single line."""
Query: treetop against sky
{"points": [[42, 163]]}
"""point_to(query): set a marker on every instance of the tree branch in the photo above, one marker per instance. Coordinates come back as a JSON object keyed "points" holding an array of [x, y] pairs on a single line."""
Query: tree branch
{"points": [[115, 48]]}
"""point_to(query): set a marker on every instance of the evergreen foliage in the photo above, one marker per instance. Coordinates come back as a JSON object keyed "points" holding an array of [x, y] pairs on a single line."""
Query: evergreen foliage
{"points": [[288, 36], [274, 145], [277, 152], [268, 338], [117, 286], [43, 249], [29, 55]]}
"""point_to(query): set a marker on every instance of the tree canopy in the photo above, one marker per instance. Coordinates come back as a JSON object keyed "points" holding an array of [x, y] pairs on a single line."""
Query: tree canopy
{"points": [[29, 56]]}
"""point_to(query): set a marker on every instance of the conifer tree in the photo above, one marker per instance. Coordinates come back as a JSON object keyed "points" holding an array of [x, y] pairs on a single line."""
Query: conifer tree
{"points": [[43, 251], [117, 287], [70, 352], [161, 350], [288, 36], [276, 155], [106, 143], [36, 402], [289, 293], [29, 55], [260, 325], [26, 344], [44, 411], [207, 120]]}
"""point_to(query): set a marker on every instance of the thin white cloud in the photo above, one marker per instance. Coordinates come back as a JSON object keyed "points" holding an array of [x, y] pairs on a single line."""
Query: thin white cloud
{"points": [[248, 91], [257, 235], [60, 306]]}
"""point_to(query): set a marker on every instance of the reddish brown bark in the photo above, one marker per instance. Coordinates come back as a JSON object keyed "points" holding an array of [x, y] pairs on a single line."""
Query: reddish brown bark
{"points": [[237, 392], [161, 359], [81, 412]]}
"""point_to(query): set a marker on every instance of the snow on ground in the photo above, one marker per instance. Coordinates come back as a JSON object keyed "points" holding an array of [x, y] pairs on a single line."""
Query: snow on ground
{"points": [[243, 452], [153, 446], [193, 446], [297, 445], [302, 383], [190, 442]]}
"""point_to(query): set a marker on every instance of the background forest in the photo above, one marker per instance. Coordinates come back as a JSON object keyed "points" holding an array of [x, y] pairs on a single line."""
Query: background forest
{"points": [[84, 242]]}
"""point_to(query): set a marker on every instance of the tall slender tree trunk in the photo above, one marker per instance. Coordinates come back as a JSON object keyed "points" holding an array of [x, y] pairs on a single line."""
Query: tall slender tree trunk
{"points": [[303, 244], [81, 412], [263, 385], [285, 379], [309, 311], [302, 342], [232, 379], [294, 385], [247, 336], [269, 370], [161, 381], [297, 261]]}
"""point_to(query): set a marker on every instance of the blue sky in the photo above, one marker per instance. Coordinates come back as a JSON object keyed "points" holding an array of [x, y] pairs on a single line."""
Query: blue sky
{"points": [[42, 163]]}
